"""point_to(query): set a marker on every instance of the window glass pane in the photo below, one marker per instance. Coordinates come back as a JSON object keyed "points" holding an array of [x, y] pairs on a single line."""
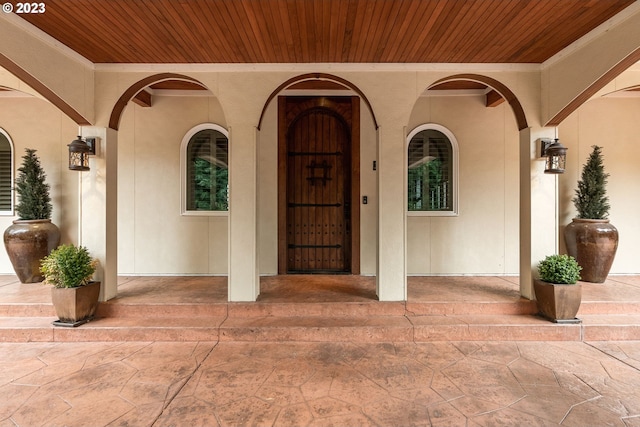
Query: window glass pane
{"points": [[208, 172], [430, 172], [5, 174]]}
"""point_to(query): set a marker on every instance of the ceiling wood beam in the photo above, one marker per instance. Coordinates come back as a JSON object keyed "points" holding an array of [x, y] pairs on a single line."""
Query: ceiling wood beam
{"points": [[459, 85], [142, 98], [178, 85], [317, 85], [494, 99]]}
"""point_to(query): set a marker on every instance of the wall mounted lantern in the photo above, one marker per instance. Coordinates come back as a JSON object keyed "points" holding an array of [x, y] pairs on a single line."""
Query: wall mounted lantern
{"points": [[79, 151], [556, 155]]}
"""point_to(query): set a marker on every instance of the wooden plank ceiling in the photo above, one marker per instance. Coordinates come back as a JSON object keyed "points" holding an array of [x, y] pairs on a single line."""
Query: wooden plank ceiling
{"points": [[315, 31]]}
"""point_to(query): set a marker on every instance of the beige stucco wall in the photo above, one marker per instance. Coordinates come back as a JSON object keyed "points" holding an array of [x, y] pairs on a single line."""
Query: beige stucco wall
{"points": [[59, 69], [267, 192], [393, 96], [153, 236], [569, 73], [169, 119], [155, 239], [483, 238], [149, 159], [34, 123], [613, 124]]}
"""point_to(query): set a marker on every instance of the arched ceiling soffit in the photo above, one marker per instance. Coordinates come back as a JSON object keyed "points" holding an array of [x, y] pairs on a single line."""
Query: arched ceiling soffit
{"points": [[131, 94], [499, 88], [43, 90], [606, 78], [144, 97], [19, 92], [631, 91], [317, 77]]}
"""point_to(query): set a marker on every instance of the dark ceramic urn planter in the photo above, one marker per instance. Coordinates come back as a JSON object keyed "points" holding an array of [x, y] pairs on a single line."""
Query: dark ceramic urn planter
{"points": [[27, 242], [75, 306], [593, 243], [556, 302]]}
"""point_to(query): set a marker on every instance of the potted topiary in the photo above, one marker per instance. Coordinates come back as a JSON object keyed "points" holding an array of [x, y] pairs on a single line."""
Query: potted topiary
{"points": [[32, 236], [590, 238], [558, 293], [69, 269]]}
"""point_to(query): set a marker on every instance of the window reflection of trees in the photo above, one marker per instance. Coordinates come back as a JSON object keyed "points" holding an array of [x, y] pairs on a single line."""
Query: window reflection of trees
{"points": [[430, 170], [208, 172]]}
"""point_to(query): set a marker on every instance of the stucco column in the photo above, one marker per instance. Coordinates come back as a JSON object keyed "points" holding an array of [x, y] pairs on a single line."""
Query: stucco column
{"points": [[391, 274], [98, 205], [243, 281], [538, 207]]}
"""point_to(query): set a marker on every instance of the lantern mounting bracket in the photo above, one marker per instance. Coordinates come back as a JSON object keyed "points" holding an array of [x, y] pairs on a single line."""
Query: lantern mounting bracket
{"points": [[92, 142], [544, 144]]}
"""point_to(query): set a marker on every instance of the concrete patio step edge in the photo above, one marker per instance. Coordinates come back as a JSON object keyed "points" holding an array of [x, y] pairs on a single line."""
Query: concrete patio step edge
{"points": [[319, 329], [180, 310]]}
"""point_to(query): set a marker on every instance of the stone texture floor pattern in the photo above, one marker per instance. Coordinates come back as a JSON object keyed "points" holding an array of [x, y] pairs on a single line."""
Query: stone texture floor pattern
{"points": [[320, 384]]}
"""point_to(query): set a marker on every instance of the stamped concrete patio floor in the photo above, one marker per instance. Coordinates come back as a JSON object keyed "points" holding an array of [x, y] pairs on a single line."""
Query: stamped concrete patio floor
{"points": [[321, 384], [252, 383]]}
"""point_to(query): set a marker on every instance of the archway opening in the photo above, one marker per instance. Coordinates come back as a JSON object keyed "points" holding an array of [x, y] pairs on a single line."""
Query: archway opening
{"points": [[473, 231]]}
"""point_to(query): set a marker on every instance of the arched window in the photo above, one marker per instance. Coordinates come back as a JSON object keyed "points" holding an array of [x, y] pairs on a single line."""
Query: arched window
{"points": [[432, 171], [6, 174], [204, 162]]}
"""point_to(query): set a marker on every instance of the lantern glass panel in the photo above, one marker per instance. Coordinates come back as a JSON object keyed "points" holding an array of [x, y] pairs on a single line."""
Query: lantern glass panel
{"points": [[78, 161], [555, 164]]}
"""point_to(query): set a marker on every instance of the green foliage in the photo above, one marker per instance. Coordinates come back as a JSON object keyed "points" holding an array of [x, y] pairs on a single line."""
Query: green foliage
{"points": [[34, 201], [591, 199], [429, 175], [414, 197], [68, 266], [434, 169], [560, 269], [210, 184]]}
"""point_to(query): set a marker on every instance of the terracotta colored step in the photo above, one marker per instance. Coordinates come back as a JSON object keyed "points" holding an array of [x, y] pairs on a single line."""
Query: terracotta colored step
{"points": [[522, 306], [26, 310], [26, 329], [139, 310], [170, 310], [313, 329], [150, 329], [317, 328], [323, 309], [492, 328], [609, 307], [601, 327]]}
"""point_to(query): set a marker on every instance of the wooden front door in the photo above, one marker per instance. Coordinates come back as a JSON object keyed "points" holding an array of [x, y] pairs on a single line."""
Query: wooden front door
{"points": [[316, 155]]}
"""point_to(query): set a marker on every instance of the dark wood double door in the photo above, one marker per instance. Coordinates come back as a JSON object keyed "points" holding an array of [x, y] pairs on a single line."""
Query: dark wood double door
{"points": [[318, 185]]}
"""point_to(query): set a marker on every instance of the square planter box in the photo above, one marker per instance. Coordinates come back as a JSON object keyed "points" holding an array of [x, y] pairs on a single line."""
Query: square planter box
{"points": [[75, 306], [558, 303]]}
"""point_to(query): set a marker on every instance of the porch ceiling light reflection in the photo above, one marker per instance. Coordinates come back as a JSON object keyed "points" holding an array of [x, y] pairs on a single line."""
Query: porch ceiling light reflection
{"points": [[79, 155], [422, 161], [214, 161], [556, 156]]}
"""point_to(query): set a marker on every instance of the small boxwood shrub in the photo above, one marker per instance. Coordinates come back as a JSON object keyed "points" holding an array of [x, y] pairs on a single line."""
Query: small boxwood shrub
{"points": [[68, 266], [561, 269]]}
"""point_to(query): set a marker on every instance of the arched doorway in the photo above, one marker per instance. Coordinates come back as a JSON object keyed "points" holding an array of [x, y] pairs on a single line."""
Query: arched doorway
{"points": [[318, 185]]}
